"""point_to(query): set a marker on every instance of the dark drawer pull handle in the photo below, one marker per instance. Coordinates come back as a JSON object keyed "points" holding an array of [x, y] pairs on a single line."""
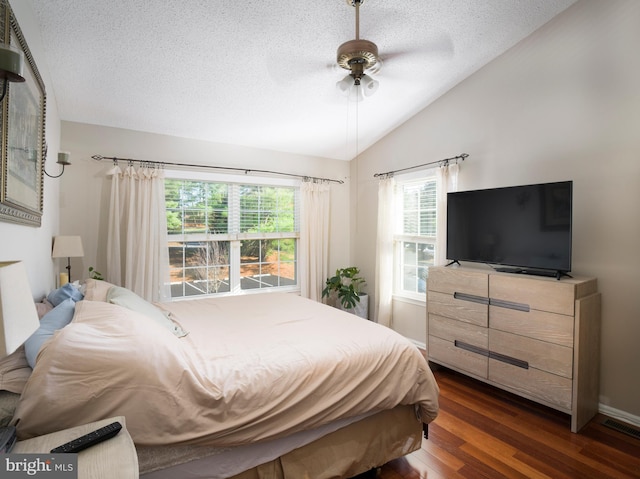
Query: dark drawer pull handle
{"points": [[509, 360], [471, 297], [471, 348], [491, 355], [509, 305]]}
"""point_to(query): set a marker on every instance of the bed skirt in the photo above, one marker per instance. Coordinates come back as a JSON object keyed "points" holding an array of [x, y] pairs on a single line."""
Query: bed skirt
{"points": [[345, 452]]}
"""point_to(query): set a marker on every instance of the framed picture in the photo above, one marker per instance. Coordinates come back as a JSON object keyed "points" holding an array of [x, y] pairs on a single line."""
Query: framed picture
{"points": [[22, 128]]}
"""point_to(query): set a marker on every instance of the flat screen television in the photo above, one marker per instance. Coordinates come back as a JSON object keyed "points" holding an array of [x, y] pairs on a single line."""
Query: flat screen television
{"points": [[525, 228]]}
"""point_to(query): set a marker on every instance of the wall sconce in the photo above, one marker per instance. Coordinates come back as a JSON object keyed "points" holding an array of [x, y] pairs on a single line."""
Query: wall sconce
{"points": [[11, 62], [63, 159]]}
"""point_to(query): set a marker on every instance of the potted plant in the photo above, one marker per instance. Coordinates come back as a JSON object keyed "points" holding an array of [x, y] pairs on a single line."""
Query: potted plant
{"points": [[344, 290], [93, 274]]}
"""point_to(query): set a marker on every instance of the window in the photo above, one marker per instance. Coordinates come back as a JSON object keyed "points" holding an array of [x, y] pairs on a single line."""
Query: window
{"points": [[228, 237], [415, 235]]}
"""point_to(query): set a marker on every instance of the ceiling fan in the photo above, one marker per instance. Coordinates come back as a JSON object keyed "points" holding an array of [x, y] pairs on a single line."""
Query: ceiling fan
{"points": [[361, 58]]}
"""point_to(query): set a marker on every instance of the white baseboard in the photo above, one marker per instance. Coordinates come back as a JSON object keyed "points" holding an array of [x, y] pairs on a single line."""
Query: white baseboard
{"points": [[420, 344], [618, 414]]}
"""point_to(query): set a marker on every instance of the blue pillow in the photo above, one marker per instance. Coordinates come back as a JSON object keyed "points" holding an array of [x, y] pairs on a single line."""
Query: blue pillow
{"points": [[55, 319], [67, 291]]}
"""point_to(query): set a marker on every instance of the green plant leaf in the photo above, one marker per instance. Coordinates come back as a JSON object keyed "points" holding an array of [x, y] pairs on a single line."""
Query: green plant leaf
{"points": [[346, 283]]}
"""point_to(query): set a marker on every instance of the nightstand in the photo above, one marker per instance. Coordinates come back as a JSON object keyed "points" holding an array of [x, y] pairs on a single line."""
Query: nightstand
{"points": [[115, 457]]}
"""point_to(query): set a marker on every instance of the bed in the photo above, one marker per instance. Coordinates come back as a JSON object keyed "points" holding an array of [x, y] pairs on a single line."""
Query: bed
{"points": [[255, 386]]}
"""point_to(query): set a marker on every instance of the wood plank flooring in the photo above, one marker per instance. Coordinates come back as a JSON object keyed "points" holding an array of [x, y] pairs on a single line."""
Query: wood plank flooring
{"points": [[483, 432]]}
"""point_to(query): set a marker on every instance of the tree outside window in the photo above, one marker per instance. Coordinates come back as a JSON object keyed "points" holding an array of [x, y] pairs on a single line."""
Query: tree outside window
{"points": [[228, 237]]}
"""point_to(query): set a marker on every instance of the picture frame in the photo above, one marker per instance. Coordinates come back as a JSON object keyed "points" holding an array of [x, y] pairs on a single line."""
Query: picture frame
{"points": [[22, 134]]}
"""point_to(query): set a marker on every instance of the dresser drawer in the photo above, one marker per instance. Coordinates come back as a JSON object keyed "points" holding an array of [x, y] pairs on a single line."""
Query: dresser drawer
{"points": [[450, 306], [538, 385], [446, 353], [540, 294], [452, 280], [541, 355], [452, 330], [550, 327]]}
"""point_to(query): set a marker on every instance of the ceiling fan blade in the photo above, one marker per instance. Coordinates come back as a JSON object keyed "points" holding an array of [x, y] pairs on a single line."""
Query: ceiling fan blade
{"points": [[285, 67], [439, 46]]}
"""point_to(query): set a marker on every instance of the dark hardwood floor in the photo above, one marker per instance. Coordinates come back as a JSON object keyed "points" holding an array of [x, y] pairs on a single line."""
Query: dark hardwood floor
{"points": [[483, 432]]}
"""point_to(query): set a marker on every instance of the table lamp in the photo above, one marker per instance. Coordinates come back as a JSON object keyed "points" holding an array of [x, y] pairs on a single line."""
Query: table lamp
{"points": [[67, 247]]}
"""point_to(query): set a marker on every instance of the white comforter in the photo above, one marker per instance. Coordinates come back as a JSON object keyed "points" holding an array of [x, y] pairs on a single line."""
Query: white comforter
{"points": [[252, 367]]}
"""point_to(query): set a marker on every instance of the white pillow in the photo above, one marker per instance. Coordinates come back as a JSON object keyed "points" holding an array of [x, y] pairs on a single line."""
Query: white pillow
{"points": [[96, 289], [130, 300]]}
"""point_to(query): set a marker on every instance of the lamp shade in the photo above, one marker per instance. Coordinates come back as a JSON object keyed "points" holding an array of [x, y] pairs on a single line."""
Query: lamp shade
{"points": [[357, 89], [11, 63], [63, 158], [349, 88], [344, 85], [18, 315], [369, 85], [67, 247]]}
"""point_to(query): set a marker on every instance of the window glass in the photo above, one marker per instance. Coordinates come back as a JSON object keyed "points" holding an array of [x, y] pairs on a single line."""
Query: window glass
{"points": [[415, 237], [228, 237], [199, 267], [267, 263]]}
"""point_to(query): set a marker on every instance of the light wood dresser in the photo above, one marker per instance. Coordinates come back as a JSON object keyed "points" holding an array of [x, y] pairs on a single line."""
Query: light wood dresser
{"points": [[534, 336]]}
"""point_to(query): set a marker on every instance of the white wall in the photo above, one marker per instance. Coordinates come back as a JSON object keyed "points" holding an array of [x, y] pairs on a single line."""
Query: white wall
{"points": [[564, 104], [26, 243], [84, 197]]}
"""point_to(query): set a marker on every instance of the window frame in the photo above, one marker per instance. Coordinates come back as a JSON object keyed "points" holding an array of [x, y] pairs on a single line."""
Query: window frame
{"points": [[235, 238]]}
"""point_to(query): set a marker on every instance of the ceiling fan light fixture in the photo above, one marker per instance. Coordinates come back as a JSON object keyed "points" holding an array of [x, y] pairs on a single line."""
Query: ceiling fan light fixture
{"points": [[358, 56], [352, 88], [344, 85], [369, 85]]}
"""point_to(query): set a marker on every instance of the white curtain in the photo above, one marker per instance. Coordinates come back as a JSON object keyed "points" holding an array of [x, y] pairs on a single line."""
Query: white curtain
{"points": [[137, 252], [446, 181], [384, 251], [314, 238]]}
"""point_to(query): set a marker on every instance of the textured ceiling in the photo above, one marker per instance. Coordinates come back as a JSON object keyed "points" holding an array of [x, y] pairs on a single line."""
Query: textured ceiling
{"points": [[261, 73]]}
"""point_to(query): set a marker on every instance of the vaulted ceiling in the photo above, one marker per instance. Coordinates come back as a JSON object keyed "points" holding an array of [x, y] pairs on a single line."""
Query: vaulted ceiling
{"points": [[262, 73]]}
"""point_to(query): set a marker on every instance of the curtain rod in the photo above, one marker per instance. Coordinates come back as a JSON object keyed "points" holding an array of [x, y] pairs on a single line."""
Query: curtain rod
{"points": [[228, 168], [461, 156]]}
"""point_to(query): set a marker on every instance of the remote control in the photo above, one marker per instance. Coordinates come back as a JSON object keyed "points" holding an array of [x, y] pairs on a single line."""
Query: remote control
{"points": [[7, 439], [89, 439]]}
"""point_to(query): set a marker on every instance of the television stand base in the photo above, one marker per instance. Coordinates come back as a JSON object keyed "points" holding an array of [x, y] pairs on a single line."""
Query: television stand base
{"points": [[455, 261], [535, 272]]}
